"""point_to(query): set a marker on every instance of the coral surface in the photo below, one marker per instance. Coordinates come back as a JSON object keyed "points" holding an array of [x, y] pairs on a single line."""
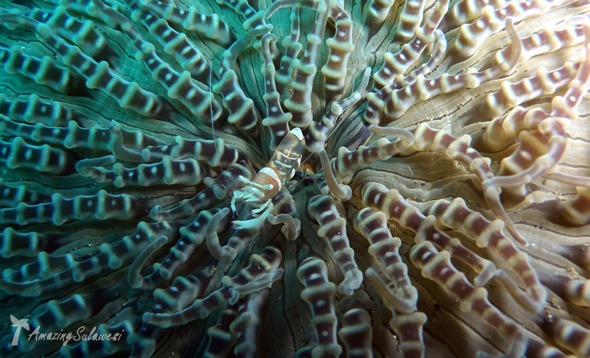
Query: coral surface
{"points": [[309, 178]]}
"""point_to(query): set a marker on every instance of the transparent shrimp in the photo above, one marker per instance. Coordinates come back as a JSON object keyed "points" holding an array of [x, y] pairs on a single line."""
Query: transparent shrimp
{"points": [[265, 185]]}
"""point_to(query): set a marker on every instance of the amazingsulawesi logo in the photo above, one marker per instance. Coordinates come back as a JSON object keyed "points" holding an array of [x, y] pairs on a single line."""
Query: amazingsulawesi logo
{"points": [[77, 336], [18, 324]]}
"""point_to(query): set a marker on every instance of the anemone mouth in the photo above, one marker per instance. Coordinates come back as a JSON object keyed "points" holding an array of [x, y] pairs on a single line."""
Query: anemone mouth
{"points": [[315, 178]]}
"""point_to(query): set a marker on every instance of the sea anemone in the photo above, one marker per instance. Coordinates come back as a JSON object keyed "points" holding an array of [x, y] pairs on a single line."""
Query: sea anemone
{"points": [[309, 178]]}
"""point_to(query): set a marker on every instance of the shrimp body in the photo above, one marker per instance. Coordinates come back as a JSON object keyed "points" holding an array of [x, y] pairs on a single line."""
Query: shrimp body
{"points": [[266, 184]]}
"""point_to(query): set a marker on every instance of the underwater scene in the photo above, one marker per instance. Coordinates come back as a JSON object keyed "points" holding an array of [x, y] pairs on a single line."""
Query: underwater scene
{"points": [[295, 178]]}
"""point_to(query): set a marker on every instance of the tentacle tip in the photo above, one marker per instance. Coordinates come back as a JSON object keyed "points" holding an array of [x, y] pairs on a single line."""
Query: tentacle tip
{"points": [[114, 127], [156, 212], [145, 154], [352, 281], [345, 289], [149, 317], [235, 296], [486, 274], [134, 284], [228, 254], [518, 237], [119, 182], [278, 273], [347, 192], [297, 231]]}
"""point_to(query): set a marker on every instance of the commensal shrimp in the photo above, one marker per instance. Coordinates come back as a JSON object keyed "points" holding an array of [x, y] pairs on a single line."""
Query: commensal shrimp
{"points": [[258, 194], [269, 180], [260, 191]]}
